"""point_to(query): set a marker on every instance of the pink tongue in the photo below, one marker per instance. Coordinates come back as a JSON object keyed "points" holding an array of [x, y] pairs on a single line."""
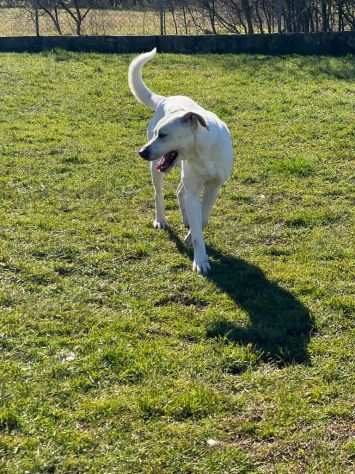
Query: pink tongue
{"points": [[161, 164], [166, 161]]}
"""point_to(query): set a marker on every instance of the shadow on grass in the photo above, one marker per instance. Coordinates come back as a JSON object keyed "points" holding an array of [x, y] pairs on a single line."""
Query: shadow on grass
{"points": [[341, 68], [316, 67], [279, 327]]}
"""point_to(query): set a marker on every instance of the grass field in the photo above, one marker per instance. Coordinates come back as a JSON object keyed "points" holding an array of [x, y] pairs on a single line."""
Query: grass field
{"points": [[115, 357]]}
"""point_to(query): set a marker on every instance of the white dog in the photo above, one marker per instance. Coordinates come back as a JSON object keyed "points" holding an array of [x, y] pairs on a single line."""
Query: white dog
{"points": [[182, 131]]}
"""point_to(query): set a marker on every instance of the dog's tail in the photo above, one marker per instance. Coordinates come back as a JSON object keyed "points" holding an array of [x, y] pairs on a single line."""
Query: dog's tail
{"points": [[136, 84]]}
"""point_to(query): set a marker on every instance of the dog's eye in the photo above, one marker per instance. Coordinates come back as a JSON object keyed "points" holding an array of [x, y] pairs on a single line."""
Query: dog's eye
{"points": [[162, 135]]}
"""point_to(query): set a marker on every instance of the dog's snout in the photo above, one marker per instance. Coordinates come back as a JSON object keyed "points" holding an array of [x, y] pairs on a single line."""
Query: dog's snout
{"points": [[144, 153]]}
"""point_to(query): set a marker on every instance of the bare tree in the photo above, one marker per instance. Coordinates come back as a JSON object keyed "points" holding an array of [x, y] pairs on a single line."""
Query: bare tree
{"points": [[40, 8], [348, 12], [208, 16], [77, 10]]}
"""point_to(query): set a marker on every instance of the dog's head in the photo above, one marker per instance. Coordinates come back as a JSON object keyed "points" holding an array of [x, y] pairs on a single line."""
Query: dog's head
{"points": [[172, 136]]}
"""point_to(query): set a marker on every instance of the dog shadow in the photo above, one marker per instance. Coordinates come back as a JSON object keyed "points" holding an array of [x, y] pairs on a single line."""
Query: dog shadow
{"points": [[279, 326]]}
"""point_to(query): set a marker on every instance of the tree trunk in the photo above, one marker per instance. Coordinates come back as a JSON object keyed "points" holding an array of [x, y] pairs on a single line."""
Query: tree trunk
{"points": [[268, 17], [57, 21], [185, 21], [340, 16], [324, 13], [53, 16], [279, 16], [143, 22], [174, 19], [248, 15], [197, 26], [37, 22], [161, 15], [259, 18], [211, 10]]}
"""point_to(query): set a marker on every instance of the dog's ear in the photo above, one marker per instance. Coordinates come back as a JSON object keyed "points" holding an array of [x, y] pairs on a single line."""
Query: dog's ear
{"points": [[194, 119]]}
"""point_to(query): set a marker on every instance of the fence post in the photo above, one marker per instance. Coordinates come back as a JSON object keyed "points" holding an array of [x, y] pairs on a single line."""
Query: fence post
{"points": [[162, 18]]}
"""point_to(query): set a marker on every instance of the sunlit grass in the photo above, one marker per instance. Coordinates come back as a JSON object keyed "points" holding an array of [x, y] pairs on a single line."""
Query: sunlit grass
{"points": [[115, 357]]}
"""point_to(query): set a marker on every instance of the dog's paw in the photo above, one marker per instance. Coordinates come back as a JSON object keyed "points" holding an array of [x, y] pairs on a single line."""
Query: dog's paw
{"points": [[188, 240], [160, 224], [202, 267]]}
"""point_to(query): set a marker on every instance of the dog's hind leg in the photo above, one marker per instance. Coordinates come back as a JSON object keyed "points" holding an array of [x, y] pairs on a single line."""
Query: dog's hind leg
{"points": [[180, 196], [157, 179], [209, 198]]}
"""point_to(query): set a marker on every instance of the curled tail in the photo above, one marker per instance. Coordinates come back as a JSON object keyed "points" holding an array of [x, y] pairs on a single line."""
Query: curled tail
{"points": [[136, 84]]}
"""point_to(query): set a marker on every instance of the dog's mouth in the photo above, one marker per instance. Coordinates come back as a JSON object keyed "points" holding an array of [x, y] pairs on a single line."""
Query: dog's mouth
{"points": [[166, 161]]}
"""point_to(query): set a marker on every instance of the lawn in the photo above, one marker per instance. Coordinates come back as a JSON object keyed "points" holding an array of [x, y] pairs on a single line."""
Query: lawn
{"points": [[115, 357]]}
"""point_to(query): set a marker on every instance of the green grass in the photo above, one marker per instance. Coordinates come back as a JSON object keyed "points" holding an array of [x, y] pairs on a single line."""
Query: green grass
{"points": [[115, 357]]}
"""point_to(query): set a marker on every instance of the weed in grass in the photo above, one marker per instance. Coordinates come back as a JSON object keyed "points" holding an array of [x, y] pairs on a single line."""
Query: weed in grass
{"points": [[9, 420], [297, 167]]}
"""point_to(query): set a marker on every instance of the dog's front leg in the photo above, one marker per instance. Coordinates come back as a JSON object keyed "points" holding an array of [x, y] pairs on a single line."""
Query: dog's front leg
{"points": [[157, 179], [194, 216]]}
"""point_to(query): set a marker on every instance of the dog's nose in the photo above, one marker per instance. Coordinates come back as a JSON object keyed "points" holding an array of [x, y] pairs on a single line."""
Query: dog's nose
{"points": [[144, 153]]}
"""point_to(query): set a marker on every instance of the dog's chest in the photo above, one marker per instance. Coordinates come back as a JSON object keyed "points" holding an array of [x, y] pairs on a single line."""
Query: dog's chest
{"points": [[208, 167]]}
